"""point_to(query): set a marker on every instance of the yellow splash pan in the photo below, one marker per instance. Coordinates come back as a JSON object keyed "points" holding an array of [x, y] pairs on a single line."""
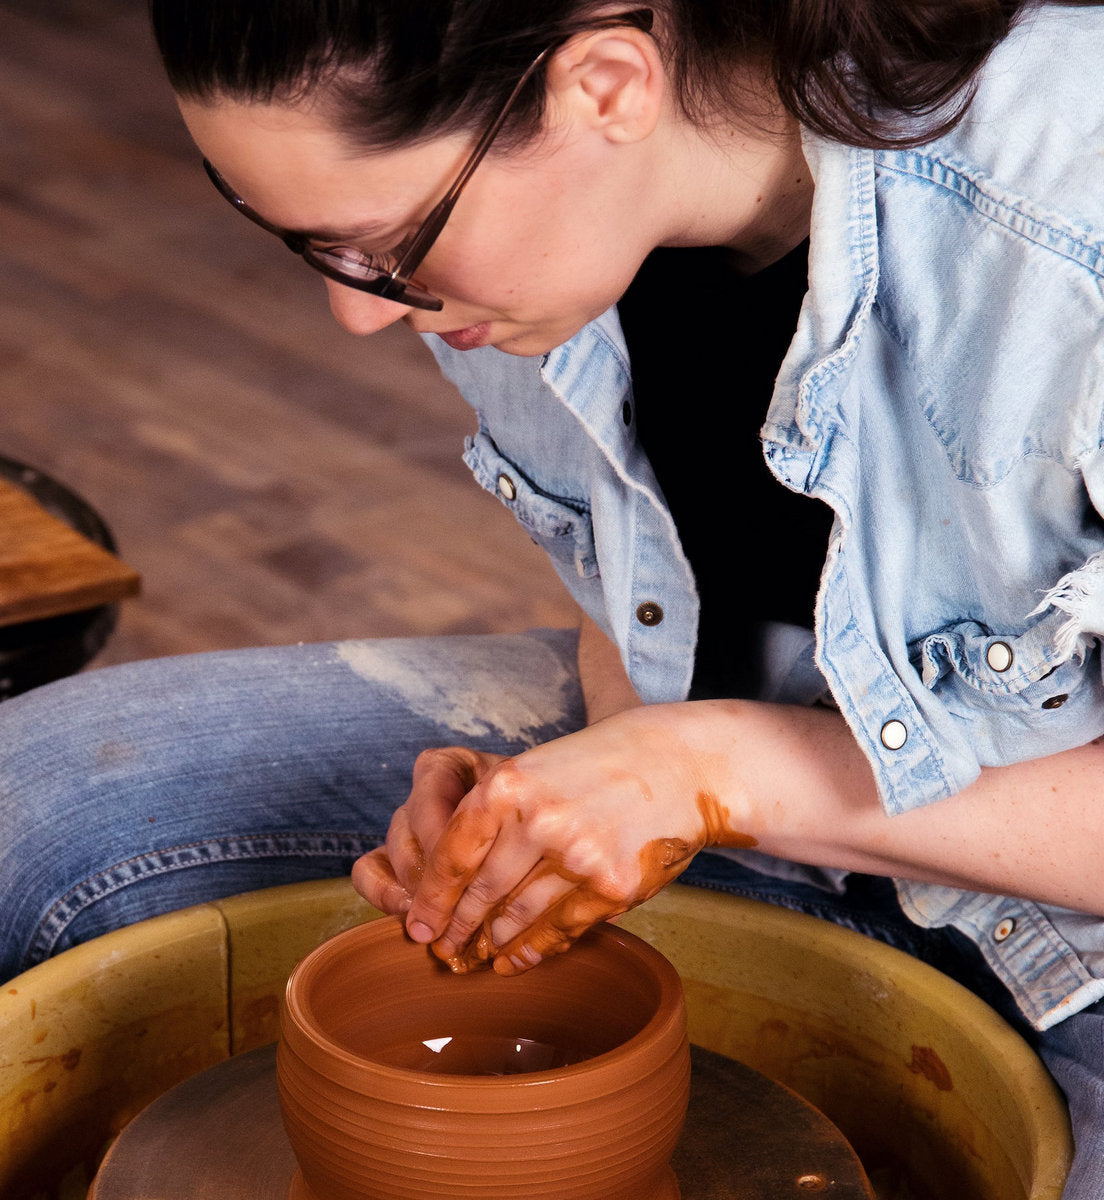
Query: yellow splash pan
{"points": [[938, 1095]]}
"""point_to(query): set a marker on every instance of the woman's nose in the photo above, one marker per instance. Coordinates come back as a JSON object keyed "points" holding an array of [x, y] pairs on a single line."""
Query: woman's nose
{"points": [[360, 312]]}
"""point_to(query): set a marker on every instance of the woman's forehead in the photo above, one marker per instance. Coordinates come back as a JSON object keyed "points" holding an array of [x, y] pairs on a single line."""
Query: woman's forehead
{"points": [[290, 165]]}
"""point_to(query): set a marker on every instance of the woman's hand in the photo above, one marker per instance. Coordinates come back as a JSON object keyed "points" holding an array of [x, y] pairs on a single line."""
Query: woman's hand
{"points": [[513, 859], [522, 855], [389, 876]]}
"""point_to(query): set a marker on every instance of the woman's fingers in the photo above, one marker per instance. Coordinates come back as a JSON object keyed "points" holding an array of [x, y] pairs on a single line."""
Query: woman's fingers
{"points": [[553, 908], [557, 929], [539, 893], [457, 860], [374, 878], [405, 851], [502, 830], [441, 779], [487, 916]]}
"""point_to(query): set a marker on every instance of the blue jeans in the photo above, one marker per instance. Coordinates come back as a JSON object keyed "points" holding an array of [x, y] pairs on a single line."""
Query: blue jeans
{"points": [[135, 790]]}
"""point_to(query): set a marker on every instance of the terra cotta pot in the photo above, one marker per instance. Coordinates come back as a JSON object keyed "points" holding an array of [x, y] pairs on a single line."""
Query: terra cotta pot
{"points": [[401, 1081]]}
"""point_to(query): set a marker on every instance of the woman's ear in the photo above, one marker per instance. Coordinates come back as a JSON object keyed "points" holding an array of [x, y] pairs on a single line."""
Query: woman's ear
{"points": [[612, 80]]}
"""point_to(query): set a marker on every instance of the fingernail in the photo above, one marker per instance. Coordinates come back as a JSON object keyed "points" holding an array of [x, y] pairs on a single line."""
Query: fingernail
{"points": [[420, 931]]}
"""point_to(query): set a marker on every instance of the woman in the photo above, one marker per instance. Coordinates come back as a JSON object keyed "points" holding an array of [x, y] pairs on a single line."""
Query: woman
{"points": [[924, 709]]}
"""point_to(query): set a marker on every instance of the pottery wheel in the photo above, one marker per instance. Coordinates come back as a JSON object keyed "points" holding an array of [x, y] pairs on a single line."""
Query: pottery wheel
{"points": [[219, 1136]]}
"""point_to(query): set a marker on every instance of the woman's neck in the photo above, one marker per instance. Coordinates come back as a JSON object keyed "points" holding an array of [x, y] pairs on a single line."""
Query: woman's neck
{"points": [[747, 187]]}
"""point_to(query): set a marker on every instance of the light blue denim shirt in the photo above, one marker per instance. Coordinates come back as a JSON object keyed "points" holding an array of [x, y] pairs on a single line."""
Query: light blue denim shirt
{"points": [[944, 394]]}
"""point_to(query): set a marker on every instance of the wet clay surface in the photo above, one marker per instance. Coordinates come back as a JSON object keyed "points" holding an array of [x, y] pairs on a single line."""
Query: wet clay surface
{"points": [[219, 1134]]}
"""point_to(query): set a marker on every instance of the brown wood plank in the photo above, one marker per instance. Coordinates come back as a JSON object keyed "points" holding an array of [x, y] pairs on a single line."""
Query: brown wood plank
{"points": [[47, 569]]}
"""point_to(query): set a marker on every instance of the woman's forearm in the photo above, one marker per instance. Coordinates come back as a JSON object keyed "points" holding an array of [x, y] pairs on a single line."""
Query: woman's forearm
{"points": [[796, 781], [606, 686], [586, 826]]}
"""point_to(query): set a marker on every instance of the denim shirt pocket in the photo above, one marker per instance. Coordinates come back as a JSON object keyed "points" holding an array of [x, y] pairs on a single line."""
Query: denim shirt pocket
{"points": [[974, 667], [561, 526]]}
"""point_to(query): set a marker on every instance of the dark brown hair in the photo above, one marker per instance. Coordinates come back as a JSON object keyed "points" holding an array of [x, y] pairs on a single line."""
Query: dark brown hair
{"points": [[865, 72]]}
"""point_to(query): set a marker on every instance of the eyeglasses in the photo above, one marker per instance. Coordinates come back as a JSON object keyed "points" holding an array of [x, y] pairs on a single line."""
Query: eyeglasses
{"points": [[390, 274]]}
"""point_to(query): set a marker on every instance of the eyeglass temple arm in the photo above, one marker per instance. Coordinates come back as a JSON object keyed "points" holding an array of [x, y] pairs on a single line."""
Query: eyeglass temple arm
{"points": [[435, 222]]}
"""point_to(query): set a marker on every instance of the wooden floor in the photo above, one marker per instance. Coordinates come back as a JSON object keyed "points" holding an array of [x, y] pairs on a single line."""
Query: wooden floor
{"points": [[273, 478]]}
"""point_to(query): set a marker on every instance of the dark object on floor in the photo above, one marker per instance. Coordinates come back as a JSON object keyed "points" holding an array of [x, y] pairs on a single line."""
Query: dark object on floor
{"points": [[40, 650]]}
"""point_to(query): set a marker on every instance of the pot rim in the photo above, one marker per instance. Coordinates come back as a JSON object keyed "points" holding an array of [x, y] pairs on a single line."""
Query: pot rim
{"points": [[665, 1028]]}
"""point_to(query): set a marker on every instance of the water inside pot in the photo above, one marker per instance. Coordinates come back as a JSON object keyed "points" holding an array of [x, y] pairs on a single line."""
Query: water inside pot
{"points": [[479, 1054]]}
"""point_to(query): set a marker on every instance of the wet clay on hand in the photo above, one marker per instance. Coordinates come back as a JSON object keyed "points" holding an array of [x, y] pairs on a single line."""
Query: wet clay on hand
{"points": [[477, 955], [661, 861]]}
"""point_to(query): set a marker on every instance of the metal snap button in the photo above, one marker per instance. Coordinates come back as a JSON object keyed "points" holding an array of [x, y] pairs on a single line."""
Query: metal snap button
{"points": [[507, 488], [649, 613], [1056, 701], [999, 656], [1004, 930], [894, 735]]}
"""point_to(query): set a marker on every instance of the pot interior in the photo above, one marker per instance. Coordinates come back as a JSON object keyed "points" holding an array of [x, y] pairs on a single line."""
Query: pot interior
{"points": [[378, 996]]}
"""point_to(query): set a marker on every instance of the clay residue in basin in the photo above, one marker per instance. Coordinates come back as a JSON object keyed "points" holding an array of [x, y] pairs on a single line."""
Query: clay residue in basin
{"points": [[926, 1062]]}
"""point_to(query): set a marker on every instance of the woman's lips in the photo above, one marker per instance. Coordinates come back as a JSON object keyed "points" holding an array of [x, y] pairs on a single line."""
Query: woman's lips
{"points": [[469, 338]]}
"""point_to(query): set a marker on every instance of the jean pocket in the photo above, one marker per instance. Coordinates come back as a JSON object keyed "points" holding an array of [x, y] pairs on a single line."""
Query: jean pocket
{"points": [[999, 669], [561, 526]]}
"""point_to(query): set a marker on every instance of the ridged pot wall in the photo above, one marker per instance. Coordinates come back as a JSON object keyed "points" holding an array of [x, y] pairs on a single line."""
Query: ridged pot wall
{"points": [[601, 1128]]}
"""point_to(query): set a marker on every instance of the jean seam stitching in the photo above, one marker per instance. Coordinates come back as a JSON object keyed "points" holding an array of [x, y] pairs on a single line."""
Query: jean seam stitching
{"points": [[64, 910]]}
